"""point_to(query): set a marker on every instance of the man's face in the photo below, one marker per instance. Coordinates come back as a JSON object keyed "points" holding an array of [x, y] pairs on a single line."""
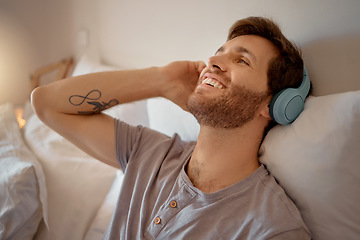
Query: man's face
{"points": [[233, 87]]}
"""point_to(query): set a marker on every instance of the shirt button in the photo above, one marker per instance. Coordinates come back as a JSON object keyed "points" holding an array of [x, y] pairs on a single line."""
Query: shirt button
{"points": [[157, 220], [173, 204]]}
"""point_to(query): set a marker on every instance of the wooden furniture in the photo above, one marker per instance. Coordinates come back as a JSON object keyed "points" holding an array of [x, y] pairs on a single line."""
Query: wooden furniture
{"points": [[62, 69]]}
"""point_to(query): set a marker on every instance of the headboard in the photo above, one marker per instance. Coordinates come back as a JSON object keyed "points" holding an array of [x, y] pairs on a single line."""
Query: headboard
{"points": [[135, 34]]}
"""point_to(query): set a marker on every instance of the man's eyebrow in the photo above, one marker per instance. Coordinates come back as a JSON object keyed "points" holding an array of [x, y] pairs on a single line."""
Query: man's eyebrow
{"points": [[247, 51], [239, 50]]}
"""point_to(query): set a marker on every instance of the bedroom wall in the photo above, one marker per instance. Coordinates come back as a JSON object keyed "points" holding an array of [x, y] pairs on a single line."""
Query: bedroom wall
{"points": [[141, 33], [133, 34], [33, 34]]}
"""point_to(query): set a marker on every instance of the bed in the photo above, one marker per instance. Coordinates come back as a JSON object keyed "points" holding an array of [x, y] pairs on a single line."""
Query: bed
{"points": [[52, 190], [49, 189]]}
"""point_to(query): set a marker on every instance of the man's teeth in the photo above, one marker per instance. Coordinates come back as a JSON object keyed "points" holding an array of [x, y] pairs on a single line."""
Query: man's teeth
{"points": [[213, 83]]}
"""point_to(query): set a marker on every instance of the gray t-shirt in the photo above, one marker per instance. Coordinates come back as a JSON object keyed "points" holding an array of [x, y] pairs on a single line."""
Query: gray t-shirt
{"points": [[158, 201]]}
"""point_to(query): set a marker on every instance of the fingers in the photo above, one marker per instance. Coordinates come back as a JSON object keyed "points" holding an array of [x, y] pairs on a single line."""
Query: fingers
{"points": [[200, 66]]}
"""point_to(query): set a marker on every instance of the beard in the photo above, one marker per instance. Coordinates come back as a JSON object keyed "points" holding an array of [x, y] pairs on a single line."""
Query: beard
{"points": [[234, 108]]}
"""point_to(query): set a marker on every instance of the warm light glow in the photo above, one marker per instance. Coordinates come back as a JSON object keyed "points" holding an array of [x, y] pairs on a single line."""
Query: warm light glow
{"points": [[15, 55], [19, 112]]}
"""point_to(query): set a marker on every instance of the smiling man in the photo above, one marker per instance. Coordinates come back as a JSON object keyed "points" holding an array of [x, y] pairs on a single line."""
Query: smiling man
{"points": [[214, 188], [231, 104]]}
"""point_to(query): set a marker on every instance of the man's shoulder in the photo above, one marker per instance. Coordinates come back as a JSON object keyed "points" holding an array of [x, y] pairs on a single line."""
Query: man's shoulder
{"points": [[274, 207], [272, 195]]}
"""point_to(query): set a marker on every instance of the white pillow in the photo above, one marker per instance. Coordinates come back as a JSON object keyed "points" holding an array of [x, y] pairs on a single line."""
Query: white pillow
{"points": [[106, 211], [76, 183], [22, 183], [168, 118], [89, 64], [317, 160], [134, 113]]}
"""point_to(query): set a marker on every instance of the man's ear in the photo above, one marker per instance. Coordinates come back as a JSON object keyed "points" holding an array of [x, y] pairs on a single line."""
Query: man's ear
{"points": [[265, 111]]}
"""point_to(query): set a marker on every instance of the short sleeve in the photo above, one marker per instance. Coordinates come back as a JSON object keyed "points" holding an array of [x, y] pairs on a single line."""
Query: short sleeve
{"points": [[125, 138], [134, 139]]}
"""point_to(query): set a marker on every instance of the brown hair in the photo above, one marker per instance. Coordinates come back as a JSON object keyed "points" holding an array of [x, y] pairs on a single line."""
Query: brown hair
{"points": [[285, 70]]}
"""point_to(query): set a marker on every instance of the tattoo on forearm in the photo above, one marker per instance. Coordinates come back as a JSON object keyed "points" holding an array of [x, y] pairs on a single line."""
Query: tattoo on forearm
{"points": [[93, 95]]}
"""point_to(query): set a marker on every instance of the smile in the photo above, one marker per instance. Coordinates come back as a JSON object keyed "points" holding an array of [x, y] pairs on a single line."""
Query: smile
{"points": [[213, 83]]}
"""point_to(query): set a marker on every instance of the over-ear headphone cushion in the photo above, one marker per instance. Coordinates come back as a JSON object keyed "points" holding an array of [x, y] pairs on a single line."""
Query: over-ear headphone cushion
{"points": [[286, 105]]}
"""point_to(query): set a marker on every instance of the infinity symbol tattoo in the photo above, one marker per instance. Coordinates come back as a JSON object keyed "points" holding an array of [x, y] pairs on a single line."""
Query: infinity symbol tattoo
{"points": [[98, 106], [92, 95]]}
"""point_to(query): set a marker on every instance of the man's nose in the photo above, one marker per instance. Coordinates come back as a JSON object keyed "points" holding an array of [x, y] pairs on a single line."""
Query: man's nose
{"points": [[217, 63]]}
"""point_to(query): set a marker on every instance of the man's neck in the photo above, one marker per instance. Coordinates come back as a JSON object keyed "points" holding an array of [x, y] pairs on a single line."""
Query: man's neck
{"points": [[223, 157]]}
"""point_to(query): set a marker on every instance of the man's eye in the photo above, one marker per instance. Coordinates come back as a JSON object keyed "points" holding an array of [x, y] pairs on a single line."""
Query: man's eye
{"points": [[242, 61]]}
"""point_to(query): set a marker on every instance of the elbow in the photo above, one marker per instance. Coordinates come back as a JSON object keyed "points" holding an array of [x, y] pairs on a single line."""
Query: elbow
{"points": [[38, 101]]}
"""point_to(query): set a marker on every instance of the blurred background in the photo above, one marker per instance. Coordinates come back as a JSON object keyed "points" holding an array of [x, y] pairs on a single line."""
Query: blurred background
{"points": [[140, 33]]}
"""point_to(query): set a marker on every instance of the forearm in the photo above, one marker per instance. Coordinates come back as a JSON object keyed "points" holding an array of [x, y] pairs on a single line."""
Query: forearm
{"points": [[95, 92], [69, 106]]}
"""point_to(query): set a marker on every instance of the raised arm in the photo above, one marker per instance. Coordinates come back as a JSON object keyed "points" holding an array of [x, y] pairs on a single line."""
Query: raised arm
{"points": [[73, 106]]}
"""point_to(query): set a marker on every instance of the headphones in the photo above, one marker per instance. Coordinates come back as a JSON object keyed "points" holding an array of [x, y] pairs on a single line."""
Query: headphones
{"points": [[286, 105]]}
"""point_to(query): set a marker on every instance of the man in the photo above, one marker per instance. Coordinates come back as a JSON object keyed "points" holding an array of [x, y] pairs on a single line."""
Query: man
{"points": [[214, 188]]}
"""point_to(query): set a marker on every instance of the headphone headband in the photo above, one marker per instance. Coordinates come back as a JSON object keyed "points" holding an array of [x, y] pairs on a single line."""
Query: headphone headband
{"points": [[305, 85]]}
